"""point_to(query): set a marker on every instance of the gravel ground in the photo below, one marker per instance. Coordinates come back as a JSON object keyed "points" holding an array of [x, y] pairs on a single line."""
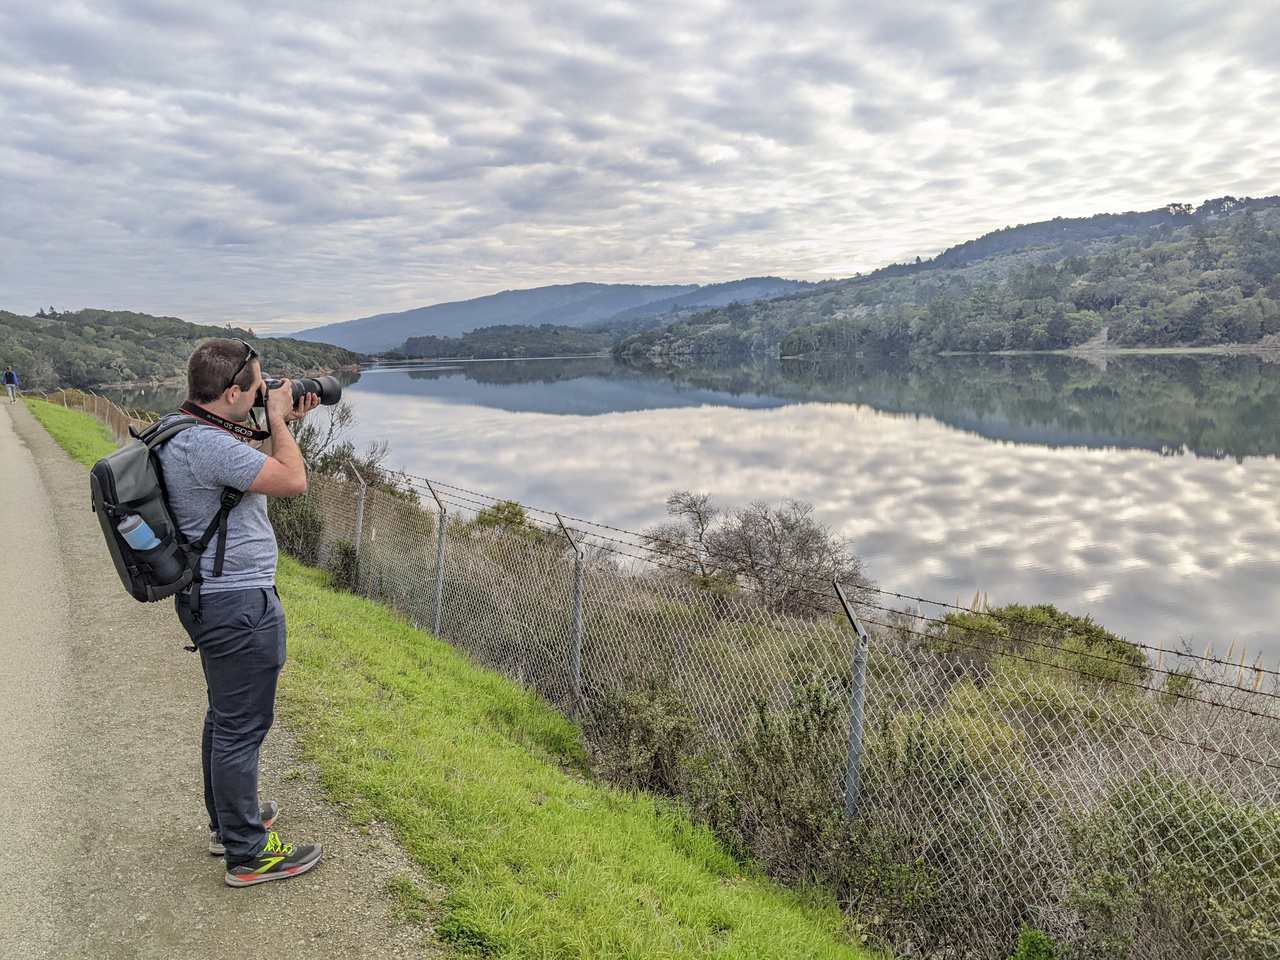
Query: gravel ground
{"points": [[103, 849]]}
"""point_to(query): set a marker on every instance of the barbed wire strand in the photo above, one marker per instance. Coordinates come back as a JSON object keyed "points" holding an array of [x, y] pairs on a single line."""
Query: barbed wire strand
{"points": [[488, 500], [467, 502], [1100, 657], [828, 610], [1258, 761], [554, 531]]}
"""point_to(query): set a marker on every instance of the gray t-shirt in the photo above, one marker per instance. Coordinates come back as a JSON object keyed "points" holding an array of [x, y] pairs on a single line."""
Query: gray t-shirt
{"points": [[198, 463]]}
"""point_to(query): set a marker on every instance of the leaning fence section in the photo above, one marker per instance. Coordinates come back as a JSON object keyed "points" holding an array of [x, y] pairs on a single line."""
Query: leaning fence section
{"points": [[117, 420], [956, 775]]}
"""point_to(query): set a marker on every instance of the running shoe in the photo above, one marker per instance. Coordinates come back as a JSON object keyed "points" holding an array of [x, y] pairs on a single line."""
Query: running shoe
{"points": [[277, 861]]}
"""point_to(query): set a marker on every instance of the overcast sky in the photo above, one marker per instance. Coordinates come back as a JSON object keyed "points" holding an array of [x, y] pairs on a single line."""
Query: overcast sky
{"points": [[318, 161]]}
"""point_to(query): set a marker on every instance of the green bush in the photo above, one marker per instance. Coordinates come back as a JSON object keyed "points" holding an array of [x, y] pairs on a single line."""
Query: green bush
{"points": [[509, 517], [948, 848], [1181, 864], [774, 795], [972, 636], [1083, 646], [299, 526], [1043, 632], [641, 737], [341, 565], [1034, 945]]}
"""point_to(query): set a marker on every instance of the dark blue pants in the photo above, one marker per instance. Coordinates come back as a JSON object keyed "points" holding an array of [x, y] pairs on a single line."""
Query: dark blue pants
{"points": [[241, 639]]}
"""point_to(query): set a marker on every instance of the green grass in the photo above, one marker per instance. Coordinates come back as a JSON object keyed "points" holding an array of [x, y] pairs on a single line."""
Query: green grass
{"points": [[82, 436], [484, 784]]}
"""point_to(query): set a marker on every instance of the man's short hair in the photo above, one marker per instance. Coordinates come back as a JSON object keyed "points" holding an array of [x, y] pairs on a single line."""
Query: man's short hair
{"points": [[210, 368]]}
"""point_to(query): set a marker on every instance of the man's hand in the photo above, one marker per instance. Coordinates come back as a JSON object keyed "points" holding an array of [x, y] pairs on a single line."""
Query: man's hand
{"points": [[307, 403], [284, 474], [280, 401]]}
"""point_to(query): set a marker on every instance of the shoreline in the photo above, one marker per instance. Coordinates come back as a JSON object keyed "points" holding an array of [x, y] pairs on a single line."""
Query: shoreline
{"points": [[412, 360], [1225, 350]]}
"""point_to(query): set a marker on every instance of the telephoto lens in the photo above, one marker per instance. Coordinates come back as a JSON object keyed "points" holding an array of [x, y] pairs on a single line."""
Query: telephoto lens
{"points": [[328, 388]]}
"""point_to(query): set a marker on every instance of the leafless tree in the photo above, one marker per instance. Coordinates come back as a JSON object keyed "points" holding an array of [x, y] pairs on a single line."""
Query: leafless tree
{"points": [[782, 552]]}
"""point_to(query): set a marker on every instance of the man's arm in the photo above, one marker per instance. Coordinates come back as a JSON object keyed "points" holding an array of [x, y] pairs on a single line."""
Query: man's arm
{"points": [[284, 473]]}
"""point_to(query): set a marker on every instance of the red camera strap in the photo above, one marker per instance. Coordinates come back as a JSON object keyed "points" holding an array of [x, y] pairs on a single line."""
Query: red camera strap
{"points": [[238, 429]]}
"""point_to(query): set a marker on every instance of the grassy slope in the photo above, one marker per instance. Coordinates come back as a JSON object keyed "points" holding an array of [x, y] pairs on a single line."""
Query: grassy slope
{"points": [[482, 782], [82, 436]]}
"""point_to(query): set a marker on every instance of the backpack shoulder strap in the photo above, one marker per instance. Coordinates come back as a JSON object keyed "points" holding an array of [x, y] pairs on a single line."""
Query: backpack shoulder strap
{"points": [[218, 526], [161, 432], [165, 429]]}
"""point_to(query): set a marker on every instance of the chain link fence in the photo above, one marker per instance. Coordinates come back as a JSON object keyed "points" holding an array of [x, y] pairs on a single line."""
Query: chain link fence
{"points": [[959, 778], [956, 780]]}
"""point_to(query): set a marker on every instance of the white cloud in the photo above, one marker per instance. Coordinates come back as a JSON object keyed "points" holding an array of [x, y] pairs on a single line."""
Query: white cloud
{"points": [[322, 161]]}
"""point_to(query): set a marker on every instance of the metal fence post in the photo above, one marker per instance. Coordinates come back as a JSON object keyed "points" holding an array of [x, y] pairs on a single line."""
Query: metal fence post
{"points": [[575, 650], [857, 713], [364, 489], [441, 523]]}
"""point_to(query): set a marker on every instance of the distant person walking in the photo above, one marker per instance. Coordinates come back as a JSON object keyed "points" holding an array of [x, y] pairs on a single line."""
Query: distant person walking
{"points": [[11, 384]]}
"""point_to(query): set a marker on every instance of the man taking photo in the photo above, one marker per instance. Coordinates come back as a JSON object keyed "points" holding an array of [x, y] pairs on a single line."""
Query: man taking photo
{"points": [[235, 620]]}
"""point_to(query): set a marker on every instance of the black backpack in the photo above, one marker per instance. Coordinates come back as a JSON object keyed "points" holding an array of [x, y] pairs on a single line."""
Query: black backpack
{"points": [[131, 481]]}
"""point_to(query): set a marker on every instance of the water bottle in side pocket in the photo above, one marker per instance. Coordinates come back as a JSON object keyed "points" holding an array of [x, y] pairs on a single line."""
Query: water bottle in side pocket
{"points": [[143, 540]]}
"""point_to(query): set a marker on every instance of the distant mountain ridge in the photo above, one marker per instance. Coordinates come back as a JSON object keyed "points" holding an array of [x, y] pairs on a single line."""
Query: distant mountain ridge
{"points": [[572, 304], [568, 305]]}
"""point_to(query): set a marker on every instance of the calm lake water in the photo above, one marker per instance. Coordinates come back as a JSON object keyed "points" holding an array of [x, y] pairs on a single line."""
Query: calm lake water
{"points": [[1140, 491]]}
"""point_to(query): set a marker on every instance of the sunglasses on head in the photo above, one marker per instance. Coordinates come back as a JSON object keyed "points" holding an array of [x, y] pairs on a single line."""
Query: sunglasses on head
{"points": [[249, 354]]}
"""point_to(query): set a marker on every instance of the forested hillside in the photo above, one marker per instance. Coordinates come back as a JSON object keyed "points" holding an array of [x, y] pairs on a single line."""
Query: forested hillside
{"points": [[662, 312], [507, 341], [88, 348], [1204, 277]]}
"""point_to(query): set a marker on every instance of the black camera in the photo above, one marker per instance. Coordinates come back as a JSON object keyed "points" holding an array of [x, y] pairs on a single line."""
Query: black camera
{"points": [[328, 388]]}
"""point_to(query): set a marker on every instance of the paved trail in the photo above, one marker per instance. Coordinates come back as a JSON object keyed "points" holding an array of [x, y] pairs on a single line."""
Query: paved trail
{"points": [[102, 834]]}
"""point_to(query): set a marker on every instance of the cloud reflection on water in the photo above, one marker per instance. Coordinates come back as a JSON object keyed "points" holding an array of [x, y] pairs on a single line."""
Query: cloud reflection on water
{"points": [[1159, 548]]}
